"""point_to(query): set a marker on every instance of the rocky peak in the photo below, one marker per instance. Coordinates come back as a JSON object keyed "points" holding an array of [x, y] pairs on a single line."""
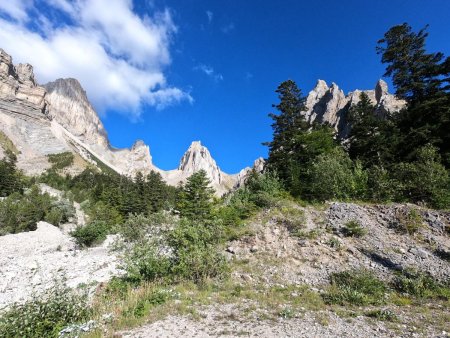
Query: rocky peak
{"points": [[6, 66], [330, 105], [381, 89], [198, 157], [25, 74], [70, 107]]}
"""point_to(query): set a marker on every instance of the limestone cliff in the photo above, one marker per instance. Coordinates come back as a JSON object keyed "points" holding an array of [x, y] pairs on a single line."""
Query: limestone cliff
{"points": [[329, 104]]}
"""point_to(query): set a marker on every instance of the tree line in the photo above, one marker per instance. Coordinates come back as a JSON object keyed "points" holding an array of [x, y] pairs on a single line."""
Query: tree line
{"points": [[404, 156]]}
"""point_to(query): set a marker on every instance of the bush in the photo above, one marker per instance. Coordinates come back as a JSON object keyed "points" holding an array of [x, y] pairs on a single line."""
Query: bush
{"points": [[46, 315], [419, 284], [90, 234], [188, 252], [61, 160], [145, 264], [408, 220], [356, 287], [105, 213], [20, 213], [333, 176], [424, 180], [353, 229]]}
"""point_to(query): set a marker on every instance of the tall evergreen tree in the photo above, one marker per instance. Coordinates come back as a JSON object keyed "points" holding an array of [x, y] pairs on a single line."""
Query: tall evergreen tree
{"points": [[195, 201], [287, 124], [372, 140], [422, 79]]}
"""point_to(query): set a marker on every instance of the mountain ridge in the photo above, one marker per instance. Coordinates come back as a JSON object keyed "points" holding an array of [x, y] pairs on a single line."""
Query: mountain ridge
{"points": [[58, 117]]}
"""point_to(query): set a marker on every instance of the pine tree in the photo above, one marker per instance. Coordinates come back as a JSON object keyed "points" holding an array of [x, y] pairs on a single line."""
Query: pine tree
{"points": [[287, 124], [422, 79], [372, 139], [195, 201]]}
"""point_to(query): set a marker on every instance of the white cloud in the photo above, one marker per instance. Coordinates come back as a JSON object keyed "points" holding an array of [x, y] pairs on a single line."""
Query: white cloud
{"points": [[118, 57], [208, 70], [210, 16], [15, 9]]}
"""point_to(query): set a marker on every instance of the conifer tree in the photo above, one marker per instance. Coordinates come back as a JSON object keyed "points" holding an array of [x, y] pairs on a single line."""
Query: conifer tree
{"points": [[195, 200], [422, 79]]}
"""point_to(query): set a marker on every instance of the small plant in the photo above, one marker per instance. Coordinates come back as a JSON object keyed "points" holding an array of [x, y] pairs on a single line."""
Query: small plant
{"points": [[334, 243], [353, 229], [90, 234], [408, 221], [385, 315], [286, 313], [46, 315], [357, 287]]}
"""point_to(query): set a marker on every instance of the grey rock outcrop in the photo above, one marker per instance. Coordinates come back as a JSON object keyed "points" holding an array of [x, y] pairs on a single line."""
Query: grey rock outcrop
{"points": [[330, 105], [70, 106], [241, 177]]}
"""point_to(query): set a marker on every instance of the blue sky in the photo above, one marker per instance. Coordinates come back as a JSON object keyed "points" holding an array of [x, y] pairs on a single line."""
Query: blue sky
{"points": [[214, 65]]}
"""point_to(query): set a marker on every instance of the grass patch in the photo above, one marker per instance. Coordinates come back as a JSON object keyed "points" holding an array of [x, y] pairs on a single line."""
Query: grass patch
{"points": [[421, 285], [355, 287], [384, 315]]}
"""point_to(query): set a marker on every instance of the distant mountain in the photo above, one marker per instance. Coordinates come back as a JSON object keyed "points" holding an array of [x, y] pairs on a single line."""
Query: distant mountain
{"points": [[58, 117]]}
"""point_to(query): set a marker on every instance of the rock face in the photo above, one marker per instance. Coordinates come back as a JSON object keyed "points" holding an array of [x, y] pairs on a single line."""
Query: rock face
{"points": [[58, 117], [330, 104], [24, 116], [70, 106]]}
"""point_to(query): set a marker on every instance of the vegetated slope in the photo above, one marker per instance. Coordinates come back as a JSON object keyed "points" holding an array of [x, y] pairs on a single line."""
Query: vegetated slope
{"points": [[282, 277]]}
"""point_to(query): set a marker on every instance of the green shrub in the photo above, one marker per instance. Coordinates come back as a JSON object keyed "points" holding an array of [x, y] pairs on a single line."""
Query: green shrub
{"points": [[353, 229], [385, 315], [424, 180], [333, 176], [54, 216], [105, 213], [334, 243], [143, 263], [355, 287], [90, 234], [422, 285], [20, 213], [61, 160], [45, 315], [408, 220]]}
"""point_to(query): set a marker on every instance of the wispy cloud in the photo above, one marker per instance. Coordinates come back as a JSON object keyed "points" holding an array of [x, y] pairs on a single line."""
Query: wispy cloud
{"points": [[209, 71], [248, 76], [228, 28], [210, 16], [118, 58]]}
